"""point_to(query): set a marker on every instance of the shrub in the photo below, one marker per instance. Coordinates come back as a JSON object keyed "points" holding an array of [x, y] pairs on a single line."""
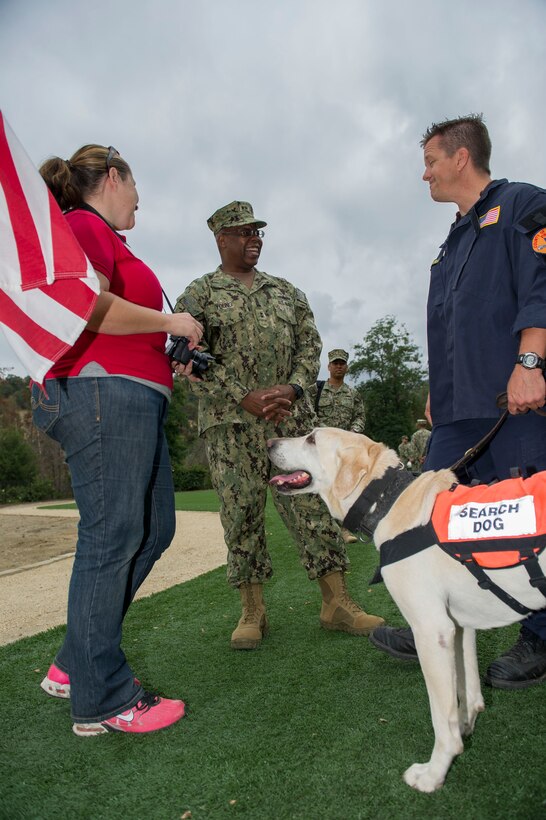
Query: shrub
{"points": [[17, 460], [192, 478], [35, 490]]}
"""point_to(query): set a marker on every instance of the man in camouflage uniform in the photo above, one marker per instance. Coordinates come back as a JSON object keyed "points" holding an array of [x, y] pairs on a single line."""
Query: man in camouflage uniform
{"points": [[337, 404], [262, 333], [407, 453], [419, 442]]}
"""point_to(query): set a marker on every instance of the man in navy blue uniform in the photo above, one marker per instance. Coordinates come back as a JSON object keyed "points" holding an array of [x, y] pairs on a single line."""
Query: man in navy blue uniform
{"points": [[486, 321]]}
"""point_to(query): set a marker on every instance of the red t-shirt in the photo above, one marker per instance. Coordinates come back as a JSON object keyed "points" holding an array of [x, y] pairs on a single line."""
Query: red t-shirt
{"points": [[138, 354]]}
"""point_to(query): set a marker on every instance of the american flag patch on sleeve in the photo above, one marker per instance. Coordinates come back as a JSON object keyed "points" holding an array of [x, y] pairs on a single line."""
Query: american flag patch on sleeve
{"points": [[491, 217]]}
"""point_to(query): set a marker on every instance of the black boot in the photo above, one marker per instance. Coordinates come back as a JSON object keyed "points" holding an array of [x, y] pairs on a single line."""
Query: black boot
{"points": [[396, 642], [521, 666]]}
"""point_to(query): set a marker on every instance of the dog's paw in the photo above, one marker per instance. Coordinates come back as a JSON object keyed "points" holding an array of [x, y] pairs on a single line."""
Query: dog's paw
{"points": [[421, 777]]}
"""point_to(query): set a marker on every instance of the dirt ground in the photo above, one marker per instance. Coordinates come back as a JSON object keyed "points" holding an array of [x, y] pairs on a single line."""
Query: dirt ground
{"points": [[26, 539], [36, 555]]}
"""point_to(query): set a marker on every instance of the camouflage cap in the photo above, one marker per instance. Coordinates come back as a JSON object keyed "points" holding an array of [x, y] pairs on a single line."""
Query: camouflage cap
{"points": [[236, 213], [338, 353]]}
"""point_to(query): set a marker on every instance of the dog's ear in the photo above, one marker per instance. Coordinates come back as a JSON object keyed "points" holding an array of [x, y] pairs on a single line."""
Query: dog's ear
{"points": [[353, 465], [351, 469]]}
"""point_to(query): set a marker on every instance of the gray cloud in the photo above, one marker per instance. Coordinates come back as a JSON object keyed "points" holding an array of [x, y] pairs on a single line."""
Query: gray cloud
{"points": [[310, 110]]}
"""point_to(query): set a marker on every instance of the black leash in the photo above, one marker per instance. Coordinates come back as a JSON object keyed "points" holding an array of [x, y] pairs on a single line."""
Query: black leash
{"points": [[482, 443], [502, 404]]}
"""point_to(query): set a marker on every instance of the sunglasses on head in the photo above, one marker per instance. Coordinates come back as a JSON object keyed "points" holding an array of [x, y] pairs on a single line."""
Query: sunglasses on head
{"points": [[112, 152]]}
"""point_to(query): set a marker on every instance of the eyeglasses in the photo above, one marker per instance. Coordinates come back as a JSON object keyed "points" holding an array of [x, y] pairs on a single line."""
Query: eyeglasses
{"points": [[245, 232], [112, 152]]}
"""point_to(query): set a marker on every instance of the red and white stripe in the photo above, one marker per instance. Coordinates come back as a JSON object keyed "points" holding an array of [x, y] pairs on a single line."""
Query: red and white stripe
{"points": [[491, 217], [47, 286]]}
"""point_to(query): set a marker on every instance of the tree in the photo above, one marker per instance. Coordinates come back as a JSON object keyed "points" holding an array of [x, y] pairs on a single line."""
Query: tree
{"points": [[14, 391], [17, 461], [395, 388], [186, 450], [19, 480], [176, 423], [52, 478]]}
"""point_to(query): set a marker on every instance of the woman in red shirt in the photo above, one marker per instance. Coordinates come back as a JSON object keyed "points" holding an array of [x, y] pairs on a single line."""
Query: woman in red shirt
{"points": [[105, 402]]}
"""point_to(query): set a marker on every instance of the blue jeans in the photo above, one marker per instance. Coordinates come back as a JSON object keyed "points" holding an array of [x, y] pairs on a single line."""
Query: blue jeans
{"points": [[520, 442], [111, 431]]}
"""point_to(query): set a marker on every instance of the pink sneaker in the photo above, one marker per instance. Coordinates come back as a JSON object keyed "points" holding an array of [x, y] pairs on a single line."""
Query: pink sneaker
{"points": [[150, 714], [56, 683]]}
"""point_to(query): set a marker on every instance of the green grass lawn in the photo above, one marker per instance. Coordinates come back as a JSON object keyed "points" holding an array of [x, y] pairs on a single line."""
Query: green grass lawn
{"points": [[196, 501], [314, 724]]}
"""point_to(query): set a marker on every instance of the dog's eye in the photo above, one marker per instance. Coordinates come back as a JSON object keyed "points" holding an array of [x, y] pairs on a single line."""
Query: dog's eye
{"points": [[310, 439]]}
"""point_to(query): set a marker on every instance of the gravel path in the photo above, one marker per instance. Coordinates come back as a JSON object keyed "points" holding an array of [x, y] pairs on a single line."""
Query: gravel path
{"points": [[36, 554]]}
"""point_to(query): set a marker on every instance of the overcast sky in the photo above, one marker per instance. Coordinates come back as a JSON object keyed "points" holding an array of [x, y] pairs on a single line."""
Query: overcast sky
{"points": [[312, 110]]}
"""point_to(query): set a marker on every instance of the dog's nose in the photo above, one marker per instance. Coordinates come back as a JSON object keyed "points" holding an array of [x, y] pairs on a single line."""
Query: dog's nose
{"points": [[271, 443]]}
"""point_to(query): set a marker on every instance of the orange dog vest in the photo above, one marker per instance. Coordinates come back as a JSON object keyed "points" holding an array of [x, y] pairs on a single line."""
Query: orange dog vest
{"points": [[485, 527], [495, 521]]}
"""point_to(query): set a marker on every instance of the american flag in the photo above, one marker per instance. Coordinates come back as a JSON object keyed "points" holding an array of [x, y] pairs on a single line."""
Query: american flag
{"points": [[491, 217], [47, 286]]}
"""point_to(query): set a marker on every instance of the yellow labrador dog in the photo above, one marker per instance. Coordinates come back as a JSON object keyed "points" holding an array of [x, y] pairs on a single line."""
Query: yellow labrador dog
{"points": [[437, 595]]}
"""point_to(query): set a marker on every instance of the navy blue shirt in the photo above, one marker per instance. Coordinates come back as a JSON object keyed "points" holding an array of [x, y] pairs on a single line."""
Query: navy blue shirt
{"points": [[486, 285]]}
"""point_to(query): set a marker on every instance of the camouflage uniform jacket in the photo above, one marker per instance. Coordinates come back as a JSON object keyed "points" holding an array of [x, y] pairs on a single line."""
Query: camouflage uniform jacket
{"points": [[260, 336], [407, 454], [342, 408], [419, 441]]}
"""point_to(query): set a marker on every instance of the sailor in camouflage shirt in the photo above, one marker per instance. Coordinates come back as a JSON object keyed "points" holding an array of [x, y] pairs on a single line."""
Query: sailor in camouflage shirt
{"points": [[419, 442], [262, 333], [338, 405], [407, 453]]}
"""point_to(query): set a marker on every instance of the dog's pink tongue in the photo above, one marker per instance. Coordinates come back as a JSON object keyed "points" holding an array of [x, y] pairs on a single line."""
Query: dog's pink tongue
{"points": [[280, 479], [292, 478]]}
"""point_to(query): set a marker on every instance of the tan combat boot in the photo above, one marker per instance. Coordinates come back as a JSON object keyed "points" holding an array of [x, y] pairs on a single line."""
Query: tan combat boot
{"points": [[339, 611], [252, 626]]}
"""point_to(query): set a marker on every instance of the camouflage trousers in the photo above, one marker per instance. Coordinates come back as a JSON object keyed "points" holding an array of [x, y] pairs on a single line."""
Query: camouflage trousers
{"points": [[240, 470]]}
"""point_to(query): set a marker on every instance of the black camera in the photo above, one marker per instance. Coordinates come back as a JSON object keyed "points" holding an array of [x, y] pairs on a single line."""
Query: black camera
{"points": [[177, 350]]}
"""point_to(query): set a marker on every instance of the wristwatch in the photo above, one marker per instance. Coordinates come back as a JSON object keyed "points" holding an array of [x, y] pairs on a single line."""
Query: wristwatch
{"points": [[530, 361], [297, 390]]}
